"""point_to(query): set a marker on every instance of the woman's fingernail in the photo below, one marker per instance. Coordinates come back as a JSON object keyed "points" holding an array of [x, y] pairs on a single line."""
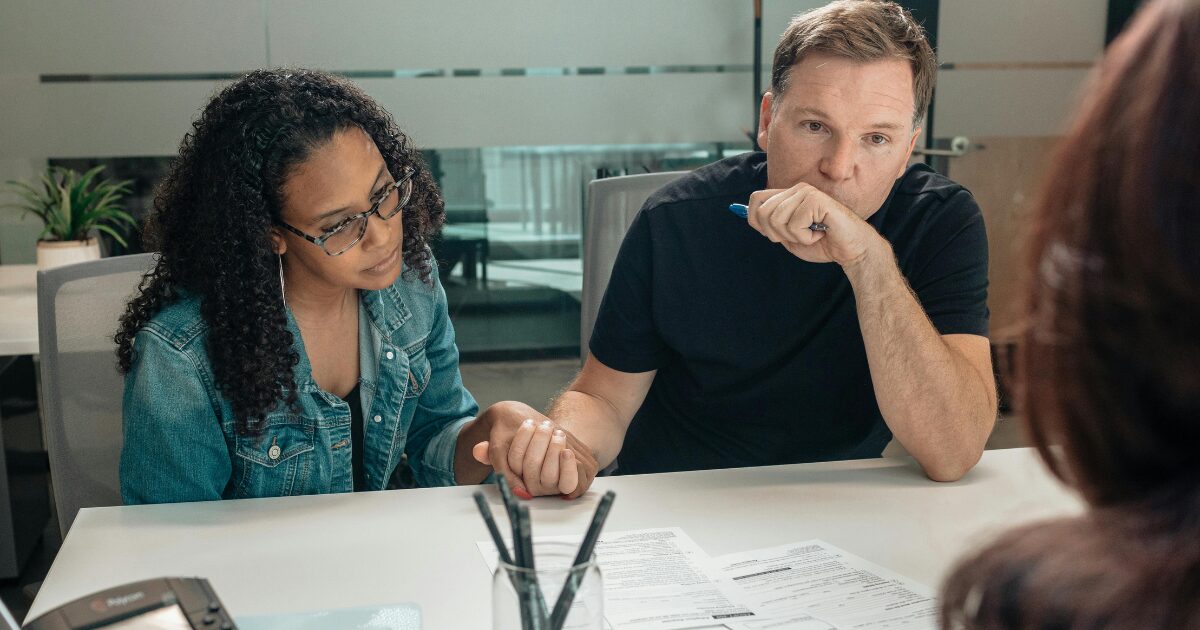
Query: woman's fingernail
{"points": [[528, 422], [565, 497], [522, 493], [559, 435], [546, 424]]}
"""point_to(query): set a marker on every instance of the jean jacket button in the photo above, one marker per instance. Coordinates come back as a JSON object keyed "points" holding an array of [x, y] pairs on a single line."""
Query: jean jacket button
{"points": [[273, 452]]}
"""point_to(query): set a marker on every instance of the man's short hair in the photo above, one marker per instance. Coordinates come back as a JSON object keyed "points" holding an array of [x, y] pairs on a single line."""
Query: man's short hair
{"points": [[860, 30]]}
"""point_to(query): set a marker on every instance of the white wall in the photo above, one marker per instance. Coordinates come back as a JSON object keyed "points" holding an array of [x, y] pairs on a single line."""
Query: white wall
{"points": [[184, 37], [1018, 64]]}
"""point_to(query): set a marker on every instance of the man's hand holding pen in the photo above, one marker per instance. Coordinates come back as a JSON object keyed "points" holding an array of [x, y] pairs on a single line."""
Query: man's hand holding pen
{"points": [[786, 216], [536, 455]]}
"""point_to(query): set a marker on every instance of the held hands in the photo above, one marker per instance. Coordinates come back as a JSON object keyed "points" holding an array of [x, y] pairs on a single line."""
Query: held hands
{"points": [[784, 217], [538, 457]]}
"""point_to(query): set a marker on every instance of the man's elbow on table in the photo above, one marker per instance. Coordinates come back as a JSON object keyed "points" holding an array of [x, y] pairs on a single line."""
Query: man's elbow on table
{"points": [[951, 451], [950, 464]]}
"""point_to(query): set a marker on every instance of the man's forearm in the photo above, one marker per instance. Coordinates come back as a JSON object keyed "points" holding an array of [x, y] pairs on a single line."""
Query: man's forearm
{"points": [[938, 405], [593, 420]]}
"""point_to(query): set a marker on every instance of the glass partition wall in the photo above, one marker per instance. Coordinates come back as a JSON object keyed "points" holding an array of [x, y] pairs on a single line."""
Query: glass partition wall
{"points": [[510, 251], [509, 254]]}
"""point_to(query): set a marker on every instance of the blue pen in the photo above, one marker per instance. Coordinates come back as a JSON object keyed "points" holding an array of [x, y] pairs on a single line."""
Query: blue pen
{"points": [[741, 211]]}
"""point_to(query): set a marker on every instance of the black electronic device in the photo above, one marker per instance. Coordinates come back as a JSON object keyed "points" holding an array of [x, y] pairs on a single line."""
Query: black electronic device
{"points": [[163, 603]]}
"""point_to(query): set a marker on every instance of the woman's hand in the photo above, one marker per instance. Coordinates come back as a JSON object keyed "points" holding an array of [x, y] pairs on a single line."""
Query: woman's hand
{"points": [[537, 455]]}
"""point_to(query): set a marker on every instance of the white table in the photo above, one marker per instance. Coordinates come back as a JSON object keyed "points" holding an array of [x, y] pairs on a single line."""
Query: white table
{"points": [[18, 310], [309, 553]]}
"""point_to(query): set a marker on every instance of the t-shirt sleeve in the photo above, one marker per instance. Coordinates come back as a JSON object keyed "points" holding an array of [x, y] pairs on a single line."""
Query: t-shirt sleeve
{"points": [[952, 282], [625, 337]]}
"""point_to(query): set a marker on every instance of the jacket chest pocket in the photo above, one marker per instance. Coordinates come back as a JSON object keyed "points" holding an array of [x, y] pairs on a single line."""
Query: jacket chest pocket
{"points": [[418, 369], [276, 463]]}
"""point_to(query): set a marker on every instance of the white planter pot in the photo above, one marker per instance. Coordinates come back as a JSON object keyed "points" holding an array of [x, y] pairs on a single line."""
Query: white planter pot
{"points": [[59, 253]]}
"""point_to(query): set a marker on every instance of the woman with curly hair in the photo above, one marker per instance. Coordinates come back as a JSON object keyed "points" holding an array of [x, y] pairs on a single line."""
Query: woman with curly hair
{"points": [[293, 337], [1110, 361]]}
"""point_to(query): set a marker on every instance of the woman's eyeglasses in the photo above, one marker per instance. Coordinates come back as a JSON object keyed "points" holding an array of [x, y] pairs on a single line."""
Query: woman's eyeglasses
{"points": [[349, 231]]}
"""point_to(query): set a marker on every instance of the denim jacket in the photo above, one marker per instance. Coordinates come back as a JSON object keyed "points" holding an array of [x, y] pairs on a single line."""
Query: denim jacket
{"points": [[180, 437]]}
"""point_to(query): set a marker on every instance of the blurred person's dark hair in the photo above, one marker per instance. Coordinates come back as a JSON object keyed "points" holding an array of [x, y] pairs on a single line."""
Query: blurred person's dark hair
{"points": [[1109, 361]]}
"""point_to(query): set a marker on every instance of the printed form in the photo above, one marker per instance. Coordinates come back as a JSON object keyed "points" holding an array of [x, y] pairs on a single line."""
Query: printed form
{"points": [[660, 579], [813, 585]]}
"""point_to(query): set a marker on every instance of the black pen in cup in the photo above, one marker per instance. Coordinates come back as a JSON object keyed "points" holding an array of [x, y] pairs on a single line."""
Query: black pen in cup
{"points": [[574, 577], [490, 522], [533, 590], [529, 616]]}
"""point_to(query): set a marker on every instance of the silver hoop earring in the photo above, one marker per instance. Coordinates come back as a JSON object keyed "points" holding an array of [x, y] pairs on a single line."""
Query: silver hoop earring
{"points": [[282, 291]]}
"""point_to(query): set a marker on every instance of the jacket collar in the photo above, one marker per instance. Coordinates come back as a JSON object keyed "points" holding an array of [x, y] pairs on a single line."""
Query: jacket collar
{"points": [[385, 310]]}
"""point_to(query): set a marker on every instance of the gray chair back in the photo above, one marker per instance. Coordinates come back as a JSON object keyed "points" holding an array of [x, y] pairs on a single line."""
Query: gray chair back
{"points": [[79, 307], [612, 204]]}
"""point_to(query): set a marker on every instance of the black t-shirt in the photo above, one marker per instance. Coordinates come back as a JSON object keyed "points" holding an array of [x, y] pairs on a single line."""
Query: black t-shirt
{"points": [[759, 354]]}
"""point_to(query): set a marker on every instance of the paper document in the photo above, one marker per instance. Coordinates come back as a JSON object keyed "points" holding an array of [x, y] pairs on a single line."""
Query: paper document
{"points": [[814, 585], [659, 579], [655, 579]]}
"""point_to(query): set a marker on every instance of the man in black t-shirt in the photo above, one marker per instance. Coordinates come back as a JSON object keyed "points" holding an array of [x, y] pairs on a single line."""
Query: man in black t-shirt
{"points": [[849, 307]]}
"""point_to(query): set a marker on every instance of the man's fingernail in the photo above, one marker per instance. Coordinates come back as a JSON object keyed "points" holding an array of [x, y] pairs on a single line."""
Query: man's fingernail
{"points": [[565, 497], [522, 493], [528, 422]]}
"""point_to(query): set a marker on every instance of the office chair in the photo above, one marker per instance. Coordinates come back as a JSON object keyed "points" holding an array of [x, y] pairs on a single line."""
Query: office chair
{"points": [[78, 311], [612, 204]]}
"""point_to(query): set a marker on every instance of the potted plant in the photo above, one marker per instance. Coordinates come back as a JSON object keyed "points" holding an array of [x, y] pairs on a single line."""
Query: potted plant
{"points": [[73, 207]]}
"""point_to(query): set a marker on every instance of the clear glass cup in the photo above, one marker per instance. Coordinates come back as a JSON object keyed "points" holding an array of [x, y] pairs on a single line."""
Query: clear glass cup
{"points": [[553, 561]]}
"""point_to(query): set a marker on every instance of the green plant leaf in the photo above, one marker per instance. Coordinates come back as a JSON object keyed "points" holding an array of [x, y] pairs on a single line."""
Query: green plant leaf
{"points": [[71, 204], [113, 233], [120, 216], [67, 214], [33, 203], [85, 198], [55, 227], [50, 184], [22, 188], [108, 198], [96, 219], [106, 209], [53, 193], [88, 176]]}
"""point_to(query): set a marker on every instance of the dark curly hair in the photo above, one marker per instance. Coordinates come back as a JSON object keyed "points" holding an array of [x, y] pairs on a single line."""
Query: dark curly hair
{"points": [[214, 211]]}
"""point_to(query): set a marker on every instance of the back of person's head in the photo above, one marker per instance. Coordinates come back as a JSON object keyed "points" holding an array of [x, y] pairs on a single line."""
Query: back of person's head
{"points": [[1109, 367], [860, 30], [214, 211], [1111, 362]]}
